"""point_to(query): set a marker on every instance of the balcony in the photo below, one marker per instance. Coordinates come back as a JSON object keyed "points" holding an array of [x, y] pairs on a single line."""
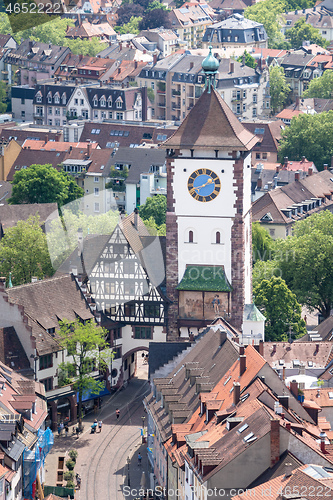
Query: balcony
{"points": [[161, 104], [175, 92], [175, 106], [159, 91]]}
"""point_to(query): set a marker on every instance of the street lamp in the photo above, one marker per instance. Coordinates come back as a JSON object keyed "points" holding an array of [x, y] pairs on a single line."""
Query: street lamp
{"points": [[128, 472]]}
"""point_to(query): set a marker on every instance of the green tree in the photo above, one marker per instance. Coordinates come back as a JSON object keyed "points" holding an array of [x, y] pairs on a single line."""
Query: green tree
{"points": [[52, 32], [88, 351], [131, 27], [270, 14], [279, 89], [44, 184], [304, 31], [310, 136], [155, 4], [280, 308], [154, 207], [86, 47], [249, 60], [321, 87], [3, 97], [306, 262], [262, 243], [24, 252], [153, 228]]}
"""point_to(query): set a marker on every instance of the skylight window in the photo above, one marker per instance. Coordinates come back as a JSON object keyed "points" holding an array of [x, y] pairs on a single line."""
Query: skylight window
{"points": [[330, 395], [241, 429], [248, 437]]}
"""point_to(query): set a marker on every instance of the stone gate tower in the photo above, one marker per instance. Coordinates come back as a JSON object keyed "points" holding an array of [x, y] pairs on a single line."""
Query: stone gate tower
{"points": [[208, 259]]}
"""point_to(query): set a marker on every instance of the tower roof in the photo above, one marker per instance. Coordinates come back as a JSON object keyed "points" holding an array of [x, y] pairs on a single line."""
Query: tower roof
{"points": [[211, 125]]}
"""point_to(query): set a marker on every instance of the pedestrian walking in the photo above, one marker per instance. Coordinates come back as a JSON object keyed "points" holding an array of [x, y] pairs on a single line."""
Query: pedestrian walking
{"points": [[117, 413], [100, 423], [139, 459], [78, 480], [66, 429], [61, 427]]}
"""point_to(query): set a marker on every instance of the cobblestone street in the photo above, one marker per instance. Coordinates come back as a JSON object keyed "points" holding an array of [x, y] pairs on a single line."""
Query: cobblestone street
{"points": [[102, 457]]}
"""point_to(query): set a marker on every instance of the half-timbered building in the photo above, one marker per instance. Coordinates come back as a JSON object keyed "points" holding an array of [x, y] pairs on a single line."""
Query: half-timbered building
{"points": [[123, 274]]}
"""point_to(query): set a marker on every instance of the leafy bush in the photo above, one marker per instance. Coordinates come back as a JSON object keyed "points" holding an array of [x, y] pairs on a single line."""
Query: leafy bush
{"points": [[70, 464], [73, 455], [69, 475], [70, 484]]}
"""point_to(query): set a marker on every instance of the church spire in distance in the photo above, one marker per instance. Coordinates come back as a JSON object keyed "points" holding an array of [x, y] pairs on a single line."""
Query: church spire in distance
{"points": [[210, 65]]}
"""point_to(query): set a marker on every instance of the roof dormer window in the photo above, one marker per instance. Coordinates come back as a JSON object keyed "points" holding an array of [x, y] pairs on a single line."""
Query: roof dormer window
{"points": [[49, 98], [110, 102], [103, 101]]}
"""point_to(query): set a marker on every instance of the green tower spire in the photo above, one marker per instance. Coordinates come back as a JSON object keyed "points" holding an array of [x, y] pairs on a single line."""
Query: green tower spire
{"points": [[10, 284], [210, 65]]}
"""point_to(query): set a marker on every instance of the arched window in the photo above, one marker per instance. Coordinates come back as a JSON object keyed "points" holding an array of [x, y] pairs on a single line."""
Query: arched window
{"points": [[190, 236], [217, 237]]}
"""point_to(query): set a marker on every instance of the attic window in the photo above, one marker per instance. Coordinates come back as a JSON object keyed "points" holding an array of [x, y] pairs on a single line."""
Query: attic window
{"points": [[259, 130], [296, 363], [281, 362], [225, 383], [330, 395], [241, 429], [244, 398]]}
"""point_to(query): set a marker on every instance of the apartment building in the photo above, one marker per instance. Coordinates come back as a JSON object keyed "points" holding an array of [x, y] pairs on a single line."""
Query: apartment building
{"points": [[235, 31], [55, 103], [190, 21], [178, 82]]}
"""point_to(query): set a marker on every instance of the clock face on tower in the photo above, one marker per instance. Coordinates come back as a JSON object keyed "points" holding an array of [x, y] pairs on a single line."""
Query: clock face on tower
{"points": [[204, 184]]}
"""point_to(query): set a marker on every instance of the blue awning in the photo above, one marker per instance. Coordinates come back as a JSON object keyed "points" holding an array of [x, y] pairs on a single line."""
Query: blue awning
{"points": [[87, 396]]}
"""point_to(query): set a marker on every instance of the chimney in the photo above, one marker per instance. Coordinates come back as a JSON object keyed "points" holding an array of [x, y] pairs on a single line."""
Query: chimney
{"points": [[231, 67], [325, 166], [89, 150], [259, 184], [46, 139], [135, 64], [277, 169], [120, 46], [154, 59], [80, 241], [296, 176], [136, 218], [303, 159], [261, 348], [191, 65], [323, 437], [100, 83], [119, 71], [223, 337], [241, 350], [236, 393], [288, 426], [288, 469], [285, 161], [310, 170], [2, 284], [275, 441], [242, 364], [294, 388], [74, 270]]}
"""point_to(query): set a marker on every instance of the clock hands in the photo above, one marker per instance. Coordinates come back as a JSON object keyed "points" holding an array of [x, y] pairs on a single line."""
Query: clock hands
{"points": [[203, 185]]}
